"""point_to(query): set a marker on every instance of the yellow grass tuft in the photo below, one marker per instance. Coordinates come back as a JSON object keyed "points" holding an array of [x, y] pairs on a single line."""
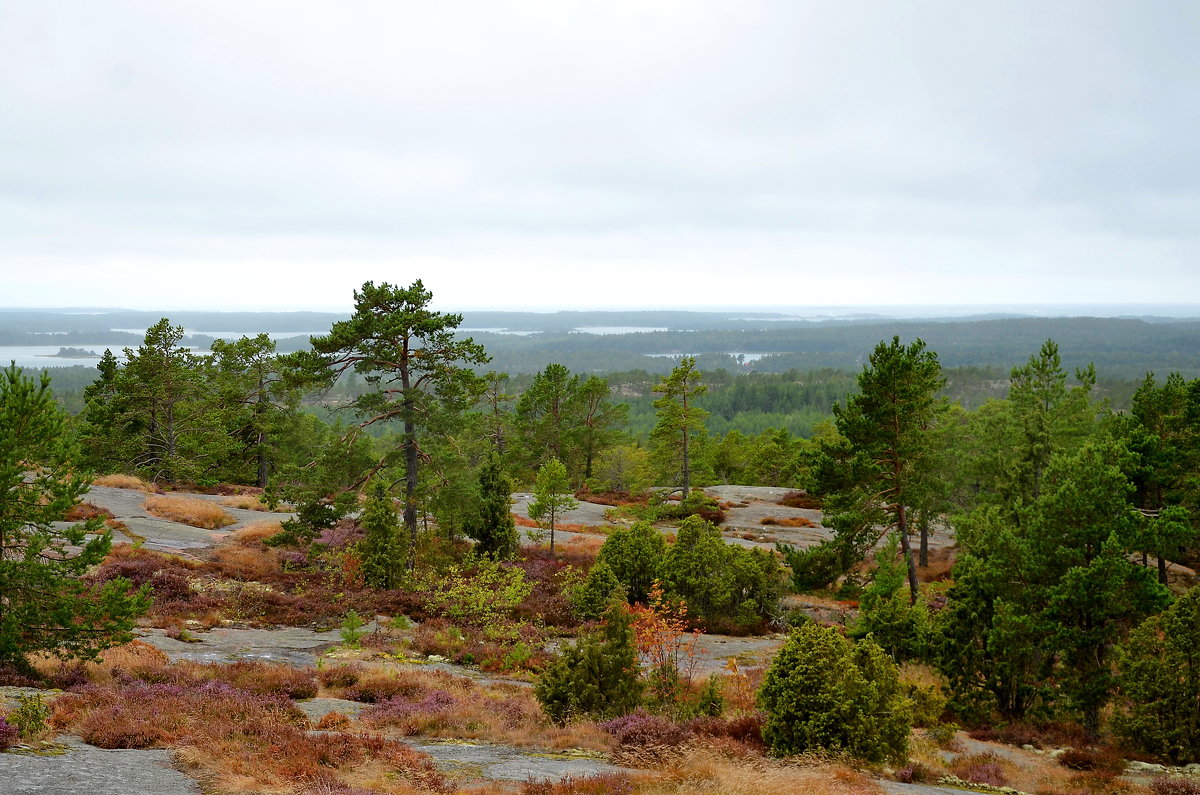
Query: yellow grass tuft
{"points": [[190, 511], [123, 482], [247, 502], [256, 531]]}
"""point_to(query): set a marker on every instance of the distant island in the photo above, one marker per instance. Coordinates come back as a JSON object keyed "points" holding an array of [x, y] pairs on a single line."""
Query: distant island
{"points": [[71, 353]]}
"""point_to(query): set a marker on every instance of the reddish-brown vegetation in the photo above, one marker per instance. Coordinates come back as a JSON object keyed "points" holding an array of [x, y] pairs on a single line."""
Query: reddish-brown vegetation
{"points": [[789, 521], [801, 499]]}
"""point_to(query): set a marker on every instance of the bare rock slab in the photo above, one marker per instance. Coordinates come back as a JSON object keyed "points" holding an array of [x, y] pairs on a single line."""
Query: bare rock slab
{"points": [[81, 769]]}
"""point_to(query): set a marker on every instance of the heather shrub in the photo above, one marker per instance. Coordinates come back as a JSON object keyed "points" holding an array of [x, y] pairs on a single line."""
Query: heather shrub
{"points": [[241, 741], [916, 773], [336, 676], [746, 729], [825, 692], [411, 717], [598, 676], [1092, 759], [980, 769], [598, 784], [169, 577], [333, 721], [1174, 785], [640, 730], [378, 686], [264, 678], [9, 734]]}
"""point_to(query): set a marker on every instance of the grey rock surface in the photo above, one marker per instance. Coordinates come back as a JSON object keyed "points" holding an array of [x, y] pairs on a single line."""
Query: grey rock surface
{"points": [[505, 763], [896, 788], [317, 708], [294, 646], [77, 768]]}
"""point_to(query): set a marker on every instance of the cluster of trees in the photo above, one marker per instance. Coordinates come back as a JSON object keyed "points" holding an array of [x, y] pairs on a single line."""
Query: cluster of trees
{"points": [[171, 414], [724, 587], [1066, 515]]}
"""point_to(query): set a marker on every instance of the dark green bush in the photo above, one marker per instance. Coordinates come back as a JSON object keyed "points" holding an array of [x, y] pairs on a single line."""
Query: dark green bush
{"points": [[589, 597], [722, 584], [598, 676], [824, 692], [814, 567], [634, 554]]}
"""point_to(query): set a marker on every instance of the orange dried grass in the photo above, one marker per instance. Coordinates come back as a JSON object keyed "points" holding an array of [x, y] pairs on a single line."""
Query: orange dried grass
{"points": [[123, 482], [256, 532], [189, 511]]}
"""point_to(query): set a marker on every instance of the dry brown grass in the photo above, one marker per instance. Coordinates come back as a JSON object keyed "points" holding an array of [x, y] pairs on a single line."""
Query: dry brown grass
{"points": [[700, 770], [247, 502], [123, 482], [940, 563], [801, 499], [588, 545], [135, 658], [434, 703], [524, 521], [256, 532], [189, 511], [788, 521]]}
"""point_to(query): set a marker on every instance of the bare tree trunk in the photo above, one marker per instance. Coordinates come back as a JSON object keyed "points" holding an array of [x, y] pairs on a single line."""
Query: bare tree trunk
{"points": [[902, 528], [923, 523]]}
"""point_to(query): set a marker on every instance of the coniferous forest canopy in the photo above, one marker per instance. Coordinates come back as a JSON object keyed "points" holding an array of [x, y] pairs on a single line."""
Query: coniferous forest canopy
{"points": [[1001, 516]]}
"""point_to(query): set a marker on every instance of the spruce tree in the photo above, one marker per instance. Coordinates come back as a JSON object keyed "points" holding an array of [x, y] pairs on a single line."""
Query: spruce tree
{"points": [[44, 605], [493, 527], [383, 549]]}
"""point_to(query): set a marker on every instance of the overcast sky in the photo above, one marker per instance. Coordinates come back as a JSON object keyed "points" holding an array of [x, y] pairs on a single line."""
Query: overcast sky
{"points": [[553, 154]]}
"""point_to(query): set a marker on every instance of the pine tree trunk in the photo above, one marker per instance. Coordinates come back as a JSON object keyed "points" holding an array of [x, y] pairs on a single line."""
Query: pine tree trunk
{"points": [[902, 528], [924, 525]]}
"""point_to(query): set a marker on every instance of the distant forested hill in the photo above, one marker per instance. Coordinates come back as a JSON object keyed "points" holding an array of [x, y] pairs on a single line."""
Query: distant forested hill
{"points": [[977, 352]]}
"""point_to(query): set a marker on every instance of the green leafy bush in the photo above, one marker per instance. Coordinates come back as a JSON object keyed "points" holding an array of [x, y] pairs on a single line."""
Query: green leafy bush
{"points": [[598, 676], [634, 554], [479, 591], [721, 583], [589, 597], [814, 567], [30, 716], [824, 692]]}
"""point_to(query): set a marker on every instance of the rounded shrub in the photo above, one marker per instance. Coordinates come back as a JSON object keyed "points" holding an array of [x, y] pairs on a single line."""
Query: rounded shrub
{"points": [[825, 692]]}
